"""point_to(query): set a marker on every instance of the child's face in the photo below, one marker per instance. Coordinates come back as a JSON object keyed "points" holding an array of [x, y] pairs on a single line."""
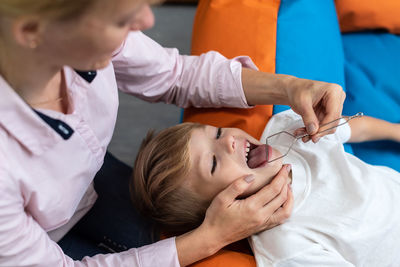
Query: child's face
{"points": [[218, 157]]}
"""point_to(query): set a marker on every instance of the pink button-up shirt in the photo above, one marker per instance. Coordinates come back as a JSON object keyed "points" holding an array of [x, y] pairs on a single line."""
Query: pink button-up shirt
{"points": [[46, 182]]}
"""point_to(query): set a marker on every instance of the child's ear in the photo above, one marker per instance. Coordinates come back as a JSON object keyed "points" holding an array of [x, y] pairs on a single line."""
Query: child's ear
{"points": [[27, 31]]}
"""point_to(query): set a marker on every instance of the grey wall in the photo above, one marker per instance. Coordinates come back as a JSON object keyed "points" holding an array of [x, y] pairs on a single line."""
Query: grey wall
{"points": [[173, 28]]}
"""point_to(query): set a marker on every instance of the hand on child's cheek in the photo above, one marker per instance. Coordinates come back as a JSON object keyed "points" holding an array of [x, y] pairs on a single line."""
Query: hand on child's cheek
{"points": [[231, 218]]}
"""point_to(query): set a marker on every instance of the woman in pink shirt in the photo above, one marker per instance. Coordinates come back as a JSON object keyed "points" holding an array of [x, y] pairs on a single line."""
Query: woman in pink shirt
{"points": [[56, 123]]}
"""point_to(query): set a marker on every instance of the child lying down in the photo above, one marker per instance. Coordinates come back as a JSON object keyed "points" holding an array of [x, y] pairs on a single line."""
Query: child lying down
{"points": [[346, 212]]}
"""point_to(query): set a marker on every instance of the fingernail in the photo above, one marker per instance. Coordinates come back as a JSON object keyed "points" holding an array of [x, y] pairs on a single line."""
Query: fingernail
{"points": [[288, 167], [311, 128], [249, 178], [317, 139]]}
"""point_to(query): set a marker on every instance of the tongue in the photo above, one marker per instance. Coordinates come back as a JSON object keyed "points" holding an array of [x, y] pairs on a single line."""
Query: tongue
{"points": [[257, 156]]}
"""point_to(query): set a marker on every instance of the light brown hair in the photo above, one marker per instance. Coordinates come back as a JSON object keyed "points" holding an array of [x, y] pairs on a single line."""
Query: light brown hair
{"points": [[55, 9], [161, 166]]}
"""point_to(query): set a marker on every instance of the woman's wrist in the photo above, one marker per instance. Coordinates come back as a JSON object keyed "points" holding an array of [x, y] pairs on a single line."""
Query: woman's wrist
{"points": [[262, 88], [197, 245], [395, 133]]}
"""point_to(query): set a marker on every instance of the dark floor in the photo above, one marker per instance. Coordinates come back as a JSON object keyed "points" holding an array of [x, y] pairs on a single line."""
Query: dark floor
{"points": [[173, 28]]}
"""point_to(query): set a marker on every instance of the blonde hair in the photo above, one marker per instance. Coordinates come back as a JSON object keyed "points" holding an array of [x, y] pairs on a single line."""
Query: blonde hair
{"points": [[55, 9], [161, 167]]}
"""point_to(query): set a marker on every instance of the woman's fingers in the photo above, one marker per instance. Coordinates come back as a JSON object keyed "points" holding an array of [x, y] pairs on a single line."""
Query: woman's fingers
{"points": [[326, 107], [272, 190], [333, 106], [275, 201], [330, 105], [300, 131], [266, 218], [309, 117], [234, 190], [281, 214], [229, 219], [273, 206], [317, 103], [329, 109]]}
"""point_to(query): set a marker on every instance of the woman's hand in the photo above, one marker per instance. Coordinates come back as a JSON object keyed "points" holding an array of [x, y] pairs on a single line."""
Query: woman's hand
{"points": [[317, 102], [229, 219]]}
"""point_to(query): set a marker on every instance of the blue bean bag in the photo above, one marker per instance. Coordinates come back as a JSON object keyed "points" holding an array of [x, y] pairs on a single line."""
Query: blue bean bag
{"points": [[372, 75], [310, 45]]}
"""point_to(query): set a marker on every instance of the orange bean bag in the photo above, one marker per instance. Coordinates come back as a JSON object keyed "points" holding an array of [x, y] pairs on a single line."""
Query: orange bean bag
{"points": [[358, 15], [227, 258], [235, 28]]}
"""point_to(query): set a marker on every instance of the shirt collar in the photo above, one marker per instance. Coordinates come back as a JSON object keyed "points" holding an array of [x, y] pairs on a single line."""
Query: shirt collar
{"points": [[34, 130], [21, 122]]}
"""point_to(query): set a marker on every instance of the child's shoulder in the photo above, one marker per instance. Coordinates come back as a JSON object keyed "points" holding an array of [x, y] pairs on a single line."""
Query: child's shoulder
{"points": [[283, 121], [287, 117]]}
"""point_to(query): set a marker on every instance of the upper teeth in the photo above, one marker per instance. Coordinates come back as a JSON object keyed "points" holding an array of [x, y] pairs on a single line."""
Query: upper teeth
{"points": [[247, 150]]}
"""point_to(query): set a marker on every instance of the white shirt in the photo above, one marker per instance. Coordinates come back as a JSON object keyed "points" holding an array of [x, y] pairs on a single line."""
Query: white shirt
{"points": [[345, 211]]}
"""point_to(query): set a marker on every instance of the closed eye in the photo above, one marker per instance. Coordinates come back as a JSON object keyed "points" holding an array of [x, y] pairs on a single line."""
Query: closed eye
{"points": [[214, 161], [218, 133], [214, 165]]}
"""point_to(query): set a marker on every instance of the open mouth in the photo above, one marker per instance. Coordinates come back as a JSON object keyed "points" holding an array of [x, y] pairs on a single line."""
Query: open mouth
{"points": [[257, 155]]}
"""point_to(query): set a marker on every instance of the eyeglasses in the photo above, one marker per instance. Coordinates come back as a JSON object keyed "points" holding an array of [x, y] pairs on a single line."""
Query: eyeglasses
{"points": [[293, 138]]}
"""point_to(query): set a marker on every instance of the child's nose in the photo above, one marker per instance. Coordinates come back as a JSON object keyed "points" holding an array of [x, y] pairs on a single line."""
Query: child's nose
{"points": [[229, 143]]}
